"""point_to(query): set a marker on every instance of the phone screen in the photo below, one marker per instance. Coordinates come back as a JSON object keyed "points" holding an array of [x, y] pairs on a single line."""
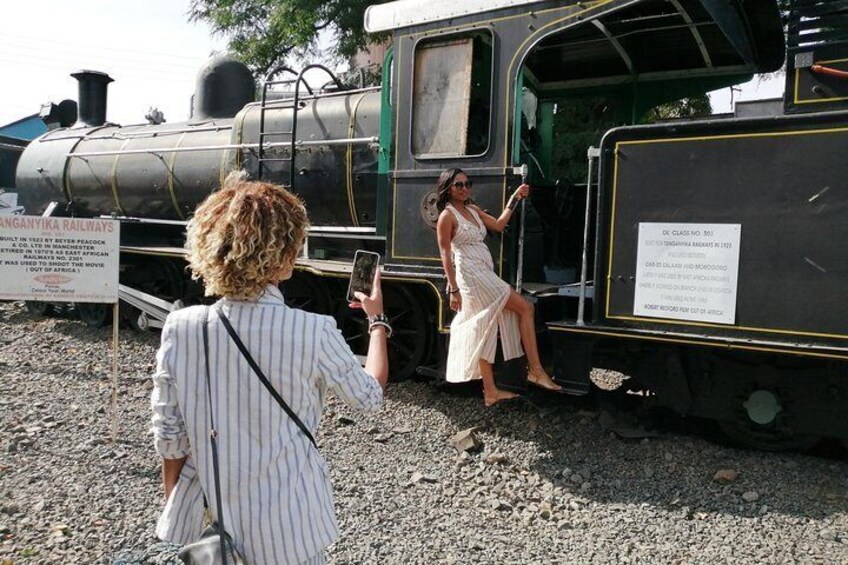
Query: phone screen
{"points": [[365, 265]]}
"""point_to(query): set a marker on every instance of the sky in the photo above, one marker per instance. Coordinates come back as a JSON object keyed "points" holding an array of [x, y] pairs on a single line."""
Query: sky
{"points": [[148, 47]]}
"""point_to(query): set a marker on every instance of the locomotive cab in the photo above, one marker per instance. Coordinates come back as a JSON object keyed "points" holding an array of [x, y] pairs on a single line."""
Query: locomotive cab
{"points": [[482, 90]]}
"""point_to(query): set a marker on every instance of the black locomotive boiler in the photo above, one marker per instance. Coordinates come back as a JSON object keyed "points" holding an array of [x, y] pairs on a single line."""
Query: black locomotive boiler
{"points": [[745, 328]]}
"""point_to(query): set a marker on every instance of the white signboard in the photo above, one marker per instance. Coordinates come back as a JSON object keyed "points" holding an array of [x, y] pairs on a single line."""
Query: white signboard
{"points": [[59, 259], [687, 271]]}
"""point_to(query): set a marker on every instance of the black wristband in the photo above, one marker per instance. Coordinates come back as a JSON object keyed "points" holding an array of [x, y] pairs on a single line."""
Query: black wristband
{"points": [[512, 204]]}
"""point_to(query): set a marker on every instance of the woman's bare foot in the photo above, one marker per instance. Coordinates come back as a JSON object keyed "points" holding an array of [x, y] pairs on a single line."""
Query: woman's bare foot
{"points": [[541, 379], [497, 396]]}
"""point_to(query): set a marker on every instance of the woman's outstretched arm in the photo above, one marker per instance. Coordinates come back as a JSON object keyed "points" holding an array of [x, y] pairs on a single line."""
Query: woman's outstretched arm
{"points": [[499, 224]]}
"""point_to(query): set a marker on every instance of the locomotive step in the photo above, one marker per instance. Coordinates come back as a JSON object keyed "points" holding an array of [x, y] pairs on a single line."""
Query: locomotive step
{"points": [[543, 290]]}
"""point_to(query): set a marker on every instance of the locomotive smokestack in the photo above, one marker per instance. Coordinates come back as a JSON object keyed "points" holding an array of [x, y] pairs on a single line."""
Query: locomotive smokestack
{"points": [[92, 98]]}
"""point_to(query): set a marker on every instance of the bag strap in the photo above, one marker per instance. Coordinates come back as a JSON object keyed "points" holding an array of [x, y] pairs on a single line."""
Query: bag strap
{"points": [[213, 436], [261, 375]]}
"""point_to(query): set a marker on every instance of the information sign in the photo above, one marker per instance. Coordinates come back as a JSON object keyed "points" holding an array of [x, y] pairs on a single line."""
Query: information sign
{"points": [[59, 259], [687, 271]]}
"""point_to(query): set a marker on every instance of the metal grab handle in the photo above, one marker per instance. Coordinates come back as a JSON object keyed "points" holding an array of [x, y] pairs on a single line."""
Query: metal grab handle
{"points": [[519, 275], [592, 154]]}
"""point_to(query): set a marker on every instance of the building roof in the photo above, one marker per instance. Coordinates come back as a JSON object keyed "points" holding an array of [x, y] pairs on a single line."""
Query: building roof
{"points": [[26, 128], [404, 13]]}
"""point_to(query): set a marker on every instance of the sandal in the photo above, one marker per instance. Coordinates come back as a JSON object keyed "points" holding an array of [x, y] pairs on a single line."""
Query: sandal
{"points": [[541, 379]]}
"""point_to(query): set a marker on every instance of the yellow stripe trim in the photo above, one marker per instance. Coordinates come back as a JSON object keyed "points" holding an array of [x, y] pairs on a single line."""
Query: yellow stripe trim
{"points": [[704, 343], [113, 179], [612, 227], [170, 172], [351, 128], [742, 328], [731, 136]]}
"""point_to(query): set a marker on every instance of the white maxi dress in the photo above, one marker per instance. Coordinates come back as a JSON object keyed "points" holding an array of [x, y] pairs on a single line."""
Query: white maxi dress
{"points": [[475, 328]]}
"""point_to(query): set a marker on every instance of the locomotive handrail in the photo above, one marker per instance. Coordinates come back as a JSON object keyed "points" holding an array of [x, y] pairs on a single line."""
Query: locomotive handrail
{"points": [[279, 69], [137, 134], [295, 108], [302, 143], [262, 107], [283, 102], [592, 154], [829, 71]]}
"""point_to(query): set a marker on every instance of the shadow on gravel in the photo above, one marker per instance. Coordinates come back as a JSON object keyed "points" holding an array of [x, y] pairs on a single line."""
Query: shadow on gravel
{"points": [[673, 470]]}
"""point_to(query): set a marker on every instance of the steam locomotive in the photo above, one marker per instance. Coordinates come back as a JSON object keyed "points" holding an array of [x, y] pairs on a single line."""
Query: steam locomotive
{"points": [[702, 259]]}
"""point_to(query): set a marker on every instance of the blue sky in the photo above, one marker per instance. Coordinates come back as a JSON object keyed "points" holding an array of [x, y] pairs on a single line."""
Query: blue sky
{"points": [[148, 47]]}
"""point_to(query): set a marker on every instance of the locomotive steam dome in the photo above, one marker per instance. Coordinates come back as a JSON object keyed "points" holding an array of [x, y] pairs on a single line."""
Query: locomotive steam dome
{"points": [[224, 86]]}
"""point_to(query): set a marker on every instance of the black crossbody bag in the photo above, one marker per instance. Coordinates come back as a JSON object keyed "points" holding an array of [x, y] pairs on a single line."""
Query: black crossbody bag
{"points": [[215, 545]]}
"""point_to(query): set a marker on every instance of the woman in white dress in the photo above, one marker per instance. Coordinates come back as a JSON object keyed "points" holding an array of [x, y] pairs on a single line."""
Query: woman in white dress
{"points": [[486, 305]]}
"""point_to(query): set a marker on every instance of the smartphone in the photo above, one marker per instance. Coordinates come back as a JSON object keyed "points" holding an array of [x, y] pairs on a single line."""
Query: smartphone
{"points": [[365, 265]]}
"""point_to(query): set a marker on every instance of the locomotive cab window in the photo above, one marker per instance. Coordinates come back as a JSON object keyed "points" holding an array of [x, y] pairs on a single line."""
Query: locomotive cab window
{"points": [[452, 96]]}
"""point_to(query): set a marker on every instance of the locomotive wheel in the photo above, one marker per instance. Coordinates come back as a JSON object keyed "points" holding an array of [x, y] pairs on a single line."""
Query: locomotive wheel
{"points": [[305, 291], [40, 308], [160, 278], [408, 346], [93, 314]]}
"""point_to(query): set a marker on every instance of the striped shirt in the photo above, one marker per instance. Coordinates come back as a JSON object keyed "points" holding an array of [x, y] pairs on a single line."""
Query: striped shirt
{"points": [[276, 494]]}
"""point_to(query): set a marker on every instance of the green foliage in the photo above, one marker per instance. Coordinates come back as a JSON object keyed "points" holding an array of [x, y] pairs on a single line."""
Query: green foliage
{"points": [[264, 33], [692, 107], [579, 123]]}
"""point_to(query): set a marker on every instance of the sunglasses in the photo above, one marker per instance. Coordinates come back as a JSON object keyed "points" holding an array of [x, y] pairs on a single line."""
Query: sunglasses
{"points": [[459, 184]]}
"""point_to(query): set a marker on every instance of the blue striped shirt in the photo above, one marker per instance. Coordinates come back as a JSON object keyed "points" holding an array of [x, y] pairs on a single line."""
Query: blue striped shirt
{"points": [[276, 494]]}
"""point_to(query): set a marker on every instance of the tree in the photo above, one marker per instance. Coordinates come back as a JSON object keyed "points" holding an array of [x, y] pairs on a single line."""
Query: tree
{"points": [[692, 107], [265, 33]]}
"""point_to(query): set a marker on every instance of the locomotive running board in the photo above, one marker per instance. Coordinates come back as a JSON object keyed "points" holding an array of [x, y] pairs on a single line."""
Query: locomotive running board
{"points": [[153, 310]]}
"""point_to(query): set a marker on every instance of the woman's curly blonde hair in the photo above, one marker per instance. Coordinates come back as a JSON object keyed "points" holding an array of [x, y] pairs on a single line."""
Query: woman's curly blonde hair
{"points": [[244, 236]]}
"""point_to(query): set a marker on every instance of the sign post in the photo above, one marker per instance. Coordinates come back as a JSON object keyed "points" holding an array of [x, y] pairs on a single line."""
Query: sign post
{"points": [[63, 260]]}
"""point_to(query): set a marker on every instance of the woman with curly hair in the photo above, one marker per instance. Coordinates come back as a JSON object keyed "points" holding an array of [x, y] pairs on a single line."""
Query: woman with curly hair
{"points": [[275, 495], [485, 304]]}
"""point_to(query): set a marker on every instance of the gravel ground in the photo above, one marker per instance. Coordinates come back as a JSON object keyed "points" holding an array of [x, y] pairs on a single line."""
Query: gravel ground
{"points": [[550, 484]]}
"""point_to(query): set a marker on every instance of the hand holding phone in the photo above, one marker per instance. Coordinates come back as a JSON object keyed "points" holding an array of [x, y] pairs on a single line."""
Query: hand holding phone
{"points": [[365, 266]]}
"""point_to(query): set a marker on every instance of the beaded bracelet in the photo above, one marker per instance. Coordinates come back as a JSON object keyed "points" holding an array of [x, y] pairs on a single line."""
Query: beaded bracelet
{"points": [[386, 325], [380, 320]]}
